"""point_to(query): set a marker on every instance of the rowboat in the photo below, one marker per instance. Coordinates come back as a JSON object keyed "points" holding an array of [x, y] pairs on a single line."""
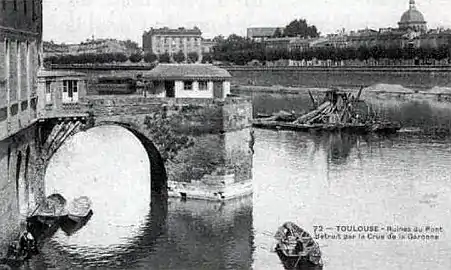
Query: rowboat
{"points": [[69, 226], [297, 245], [79, 209], [51, 210]]}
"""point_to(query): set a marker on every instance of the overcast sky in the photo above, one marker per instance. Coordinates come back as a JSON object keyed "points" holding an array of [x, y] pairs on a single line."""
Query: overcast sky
{"points": [[72, 21]]}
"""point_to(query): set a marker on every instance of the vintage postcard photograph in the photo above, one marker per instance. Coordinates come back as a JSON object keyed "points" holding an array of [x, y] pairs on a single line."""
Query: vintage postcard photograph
{"points": [[235, 135]]}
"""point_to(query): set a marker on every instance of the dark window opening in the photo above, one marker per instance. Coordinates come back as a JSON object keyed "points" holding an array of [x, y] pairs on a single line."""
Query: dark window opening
{"points": [[18, 164], [15, 4], [183, 194], [25, 7], [188, 85], [203, 85]]}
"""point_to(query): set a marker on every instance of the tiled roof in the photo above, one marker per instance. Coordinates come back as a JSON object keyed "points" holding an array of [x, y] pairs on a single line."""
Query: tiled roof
{"points": [[187, 71], [59, 73], [261, 31]]}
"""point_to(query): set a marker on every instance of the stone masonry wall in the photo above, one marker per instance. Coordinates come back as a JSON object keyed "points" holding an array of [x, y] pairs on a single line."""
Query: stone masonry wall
{"points": [[17, 201], [200, 140]]}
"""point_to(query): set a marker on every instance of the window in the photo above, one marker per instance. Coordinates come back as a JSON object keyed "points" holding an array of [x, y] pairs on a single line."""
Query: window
{"points": [[188, 85], [25, 6], [203, 85], [15, 4], [4, 4], [48, 92], [33, 10], [70, 86], [70, 91]]}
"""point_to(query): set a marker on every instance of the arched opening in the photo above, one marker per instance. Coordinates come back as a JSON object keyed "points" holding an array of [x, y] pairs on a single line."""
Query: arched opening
{"points": [[9, 163], [158, 174], [18, 165], [119, 169], [25, 177]]}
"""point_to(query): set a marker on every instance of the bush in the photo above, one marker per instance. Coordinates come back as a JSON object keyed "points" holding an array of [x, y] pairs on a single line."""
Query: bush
{"points": [[193, 57], [164, 58], [150, 57], [135, 58], [179, 57]]}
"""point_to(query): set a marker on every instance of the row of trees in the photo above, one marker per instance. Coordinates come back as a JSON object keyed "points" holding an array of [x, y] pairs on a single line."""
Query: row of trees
{"points": [[240, 50], [297, 28], [104, 58]]}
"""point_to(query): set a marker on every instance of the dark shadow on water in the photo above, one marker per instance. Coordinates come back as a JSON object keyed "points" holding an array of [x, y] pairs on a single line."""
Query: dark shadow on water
{"points": [[54, 256], [177, 235], [292, 263], [339, 146]]}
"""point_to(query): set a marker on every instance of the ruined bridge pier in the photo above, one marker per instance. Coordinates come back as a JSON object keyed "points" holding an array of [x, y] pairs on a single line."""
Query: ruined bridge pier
{"points": [[197, 148]]}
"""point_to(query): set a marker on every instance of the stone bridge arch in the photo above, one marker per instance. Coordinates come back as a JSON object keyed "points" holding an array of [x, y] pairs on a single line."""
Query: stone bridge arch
{"points": [[55, 132], [202, 148]]}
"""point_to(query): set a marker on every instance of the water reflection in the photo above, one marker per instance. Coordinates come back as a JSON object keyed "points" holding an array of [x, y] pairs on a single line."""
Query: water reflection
{"points": [[384, 181], [130, 229]]}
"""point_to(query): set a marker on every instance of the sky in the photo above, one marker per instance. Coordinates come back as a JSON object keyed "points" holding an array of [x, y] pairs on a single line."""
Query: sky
{"points": [[73, 21]]}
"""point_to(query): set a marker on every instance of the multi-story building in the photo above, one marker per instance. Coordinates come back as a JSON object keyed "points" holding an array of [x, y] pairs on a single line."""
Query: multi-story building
{"points": [[91, 46], [171, 41], [207, 45], [261, 33], [20, 50]]}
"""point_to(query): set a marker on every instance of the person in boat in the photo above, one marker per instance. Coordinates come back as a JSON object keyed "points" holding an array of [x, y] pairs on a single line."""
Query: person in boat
{"points": [[299, 246], [27, 242]]}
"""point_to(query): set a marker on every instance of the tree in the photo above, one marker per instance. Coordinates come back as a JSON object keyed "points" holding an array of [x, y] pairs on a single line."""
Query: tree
{"points": [[132, 46], [150, 57], [278, 33], [179, 57], [193, 57], [206, 58], [300, 28], [135, 58], [164, 58]]}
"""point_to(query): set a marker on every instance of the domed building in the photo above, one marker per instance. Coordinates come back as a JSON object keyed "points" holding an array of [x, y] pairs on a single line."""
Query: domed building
{"points": [[412, 19]]}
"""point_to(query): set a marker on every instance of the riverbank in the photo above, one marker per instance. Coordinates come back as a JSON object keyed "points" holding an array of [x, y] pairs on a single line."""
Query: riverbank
{"points": [[428, 110]]}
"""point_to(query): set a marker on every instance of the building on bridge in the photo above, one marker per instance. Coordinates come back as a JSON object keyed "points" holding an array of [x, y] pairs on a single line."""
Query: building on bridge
{"points": [[60, 90], [189, 81]]}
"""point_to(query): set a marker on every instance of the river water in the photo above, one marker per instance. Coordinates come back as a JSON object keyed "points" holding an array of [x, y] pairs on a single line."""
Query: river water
{"points": [[313, 180]]}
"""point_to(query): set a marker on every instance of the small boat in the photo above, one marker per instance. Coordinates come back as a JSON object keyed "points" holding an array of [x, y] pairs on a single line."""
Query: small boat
{"points": [[296, 245], [79, 209], [70, 227], [53, 208]]}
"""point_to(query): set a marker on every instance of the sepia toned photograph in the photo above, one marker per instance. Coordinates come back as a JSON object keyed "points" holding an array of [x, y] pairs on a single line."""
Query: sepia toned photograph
{"points": [[235, 135]]}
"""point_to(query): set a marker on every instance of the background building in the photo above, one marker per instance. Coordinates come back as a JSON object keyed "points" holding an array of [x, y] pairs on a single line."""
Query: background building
{"points": [[171, 41], [411, 33], [91, 46], [207, 45], [261, 33]]}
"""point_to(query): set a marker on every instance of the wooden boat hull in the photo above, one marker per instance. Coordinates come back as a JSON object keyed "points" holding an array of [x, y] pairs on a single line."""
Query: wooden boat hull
{"points": [[293, 262], [295, 243], [72, 224], [79, 209]]}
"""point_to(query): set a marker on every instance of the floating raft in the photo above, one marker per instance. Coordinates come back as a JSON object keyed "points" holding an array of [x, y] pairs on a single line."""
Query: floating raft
{"points": [[338, 111], [354, 128]]}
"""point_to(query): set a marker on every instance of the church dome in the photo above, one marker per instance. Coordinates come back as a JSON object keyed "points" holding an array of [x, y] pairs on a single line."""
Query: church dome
{"points": [[412, 19], [412, 15]]}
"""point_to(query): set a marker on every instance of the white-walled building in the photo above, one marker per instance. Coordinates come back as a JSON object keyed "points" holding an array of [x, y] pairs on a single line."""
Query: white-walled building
{"points": [[59, 91], [189, 81]]}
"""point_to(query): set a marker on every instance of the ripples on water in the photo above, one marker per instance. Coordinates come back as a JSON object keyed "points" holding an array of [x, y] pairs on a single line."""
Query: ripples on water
{"points": [[311, 180]]}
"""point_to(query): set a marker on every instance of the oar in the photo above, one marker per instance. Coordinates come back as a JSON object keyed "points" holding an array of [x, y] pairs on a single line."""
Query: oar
{"points": [[37, 207]]}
